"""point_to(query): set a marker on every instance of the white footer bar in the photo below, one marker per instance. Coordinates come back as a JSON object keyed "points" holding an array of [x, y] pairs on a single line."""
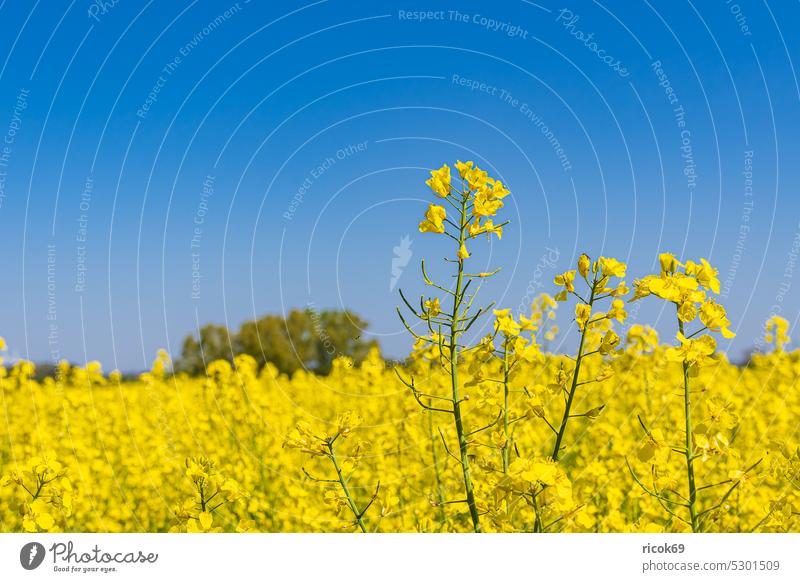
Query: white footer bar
{"points": [[389, 557]]}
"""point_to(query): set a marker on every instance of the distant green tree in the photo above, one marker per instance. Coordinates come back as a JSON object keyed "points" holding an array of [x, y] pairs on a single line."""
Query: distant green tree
{"points": [[215, 343], [287, 343], [304, 339], [338, 333], [45, 370]]}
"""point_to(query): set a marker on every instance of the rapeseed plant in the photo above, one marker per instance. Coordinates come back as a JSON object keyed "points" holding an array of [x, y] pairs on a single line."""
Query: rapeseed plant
{"points": [[598, 277], [686, 285], [211, 490], [475, 200], [47, 493], [338, 492]]}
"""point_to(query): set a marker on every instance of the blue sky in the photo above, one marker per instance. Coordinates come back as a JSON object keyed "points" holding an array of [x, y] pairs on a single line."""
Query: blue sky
{"points": [[288, 142]]}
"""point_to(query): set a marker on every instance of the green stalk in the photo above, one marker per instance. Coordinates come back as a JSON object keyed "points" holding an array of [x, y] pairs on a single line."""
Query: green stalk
{"points": [[39, 488], [343, 482], [435, 454], [687, 413], [538, 526], [439, 488], [507, 446], [563, 428], [454, 323]]}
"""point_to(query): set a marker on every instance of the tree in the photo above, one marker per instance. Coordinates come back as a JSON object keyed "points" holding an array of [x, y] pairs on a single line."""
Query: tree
{"points": [[338, 333], [304, 339], [287, 343], [215, 343]]}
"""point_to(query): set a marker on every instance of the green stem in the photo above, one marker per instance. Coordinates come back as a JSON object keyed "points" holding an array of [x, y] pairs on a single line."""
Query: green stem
{"points": [[343, 482], [563, 428], [40, 485], [538, 525], [439, 488], [454, 323], [687, 413], [507, 445]]}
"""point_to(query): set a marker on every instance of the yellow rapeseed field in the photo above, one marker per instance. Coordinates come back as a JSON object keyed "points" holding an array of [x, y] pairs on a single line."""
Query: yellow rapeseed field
{"points": [[627, 434]]}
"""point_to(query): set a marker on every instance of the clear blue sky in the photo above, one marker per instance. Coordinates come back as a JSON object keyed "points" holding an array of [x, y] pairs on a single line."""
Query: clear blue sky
{"points": [[127, 126]]}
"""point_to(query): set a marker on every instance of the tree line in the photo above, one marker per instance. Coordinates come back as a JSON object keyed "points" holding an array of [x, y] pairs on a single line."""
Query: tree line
{"points": [[303, 339]]}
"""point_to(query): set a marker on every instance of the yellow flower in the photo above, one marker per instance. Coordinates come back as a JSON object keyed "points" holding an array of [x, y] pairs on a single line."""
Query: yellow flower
{"points": [[641, 288], [653, 443], [605, 373], [694, 352], [719, 416], [498, 190], [475, 228], [499, 438], [535, 471], [582, 314], [434, 219], [777, 332], [439, 181], [675, 288], [463, 168], [583, 265], [38, 516], [544, 301], [203, 524], [486, 204], [687, 311], [534, 403], [609, 343], [669, 264], [620, 290], [713, 316], [463, 253], [641, 339], [525, 350], [527, 324], [560, 383], [433, 307], [504, 323], [490, 228], [476, 178], [611, 267], [303, 439], [617, 310], [566, 280], [705, 274], [348, 421], [206, 520]]}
